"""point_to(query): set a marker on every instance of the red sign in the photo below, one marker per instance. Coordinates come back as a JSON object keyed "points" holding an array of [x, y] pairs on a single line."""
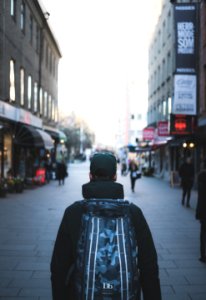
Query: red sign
{"points": [[148, 133], [182, 124], [162, 128], [40, 175]]}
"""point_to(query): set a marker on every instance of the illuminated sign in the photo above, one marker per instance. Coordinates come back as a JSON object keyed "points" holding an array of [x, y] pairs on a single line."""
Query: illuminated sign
{"points": [[182, 124]]}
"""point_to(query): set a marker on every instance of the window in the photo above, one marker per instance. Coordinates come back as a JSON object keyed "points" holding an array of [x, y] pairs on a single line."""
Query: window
{"points": [[22, 17], [163, 70], [49, 107], [35, 96], [163, 33], [169, 106], [169, 24], [164, 109], [13, 9], [169, 64], [29, 91], [41, 101], [56, 114], [45, 103], [31, 29], [22, 87], [12, 91], [53, 110], [159, 41]]}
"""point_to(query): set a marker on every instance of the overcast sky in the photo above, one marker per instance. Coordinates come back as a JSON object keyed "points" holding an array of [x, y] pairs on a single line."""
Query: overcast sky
{"points": [[104, 44]]}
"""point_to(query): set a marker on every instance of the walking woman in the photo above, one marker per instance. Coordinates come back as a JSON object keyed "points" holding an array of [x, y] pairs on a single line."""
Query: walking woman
{"points": [[133, 168]]}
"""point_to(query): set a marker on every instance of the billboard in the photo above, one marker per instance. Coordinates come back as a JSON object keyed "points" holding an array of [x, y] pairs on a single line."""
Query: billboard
{"points": [[185, 93], [185, 16]]}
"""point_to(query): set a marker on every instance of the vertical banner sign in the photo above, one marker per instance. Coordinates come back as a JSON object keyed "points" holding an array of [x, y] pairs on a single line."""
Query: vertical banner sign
{"points": [[186, 34], [184, 95], [184, 102]]}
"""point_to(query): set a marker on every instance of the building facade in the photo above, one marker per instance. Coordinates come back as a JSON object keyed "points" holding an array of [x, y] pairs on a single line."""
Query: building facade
{"points": [[160, 85], [202, 82], [166, 70], [29, 61]]}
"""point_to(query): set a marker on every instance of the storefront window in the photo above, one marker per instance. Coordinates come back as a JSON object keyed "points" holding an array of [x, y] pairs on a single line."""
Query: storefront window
{"points": [[7, 153]]}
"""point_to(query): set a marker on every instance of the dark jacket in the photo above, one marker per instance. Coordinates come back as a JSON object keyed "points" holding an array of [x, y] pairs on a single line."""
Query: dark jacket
{"points": [[61, 170], [186, 173], [201, 200], [65, 246]]}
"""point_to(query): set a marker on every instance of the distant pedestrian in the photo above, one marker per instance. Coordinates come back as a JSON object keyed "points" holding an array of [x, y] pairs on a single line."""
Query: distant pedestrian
{"points": [[186, 172], [133, 168], [61, 172], [48, 168], [123, 167], [201, 211]]}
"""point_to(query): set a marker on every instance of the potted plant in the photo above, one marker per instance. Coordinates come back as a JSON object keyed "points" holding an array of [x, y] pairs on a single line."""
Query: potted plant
{"points": [[10, 184], [19, 184]]}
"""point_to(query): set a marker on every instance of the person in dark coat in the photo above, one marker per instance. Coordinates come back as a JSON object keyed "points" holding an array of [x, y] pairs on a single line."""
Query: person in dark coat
{"points": [[61, 172], [133, 168], [201, 211], [102, 185], [186, 173]]}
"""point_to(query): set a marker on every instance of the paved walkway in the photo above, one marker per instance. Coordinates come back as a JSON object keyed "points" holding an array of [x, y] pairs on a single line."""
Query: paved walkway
{"points": [[29, 223]]}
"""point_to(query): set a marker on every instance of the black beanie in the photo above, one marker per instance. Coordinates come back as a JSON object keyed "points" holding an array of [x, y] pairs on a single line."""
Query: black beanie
{"points": [[103, 165]]}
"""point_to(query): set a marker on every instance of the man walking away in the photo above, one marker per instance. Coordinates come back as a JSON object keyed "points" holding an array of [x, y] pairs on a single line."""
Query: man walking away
{"points": [[201, 211], [186, 173], [68, 249]]}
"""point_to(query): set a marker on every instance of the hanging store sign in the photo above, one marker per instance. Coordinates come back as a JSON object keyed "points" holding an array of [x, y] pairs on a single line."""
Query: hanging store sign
{"points": [[162, 128], [148, 133], [184, 101], [185, 16]]}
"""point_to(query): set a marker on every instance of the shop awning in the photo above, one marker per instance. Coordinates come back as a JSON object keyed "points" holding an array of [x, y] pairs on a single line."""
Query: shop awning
{"points": [[62, 136], [58, 135], [47, 140], [28, 136]]}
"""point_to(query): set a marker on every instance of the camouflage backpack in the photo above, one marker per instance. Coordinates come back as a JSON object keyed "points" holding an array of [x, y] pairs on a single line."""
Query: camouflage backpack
{"points": [[106, 266]]}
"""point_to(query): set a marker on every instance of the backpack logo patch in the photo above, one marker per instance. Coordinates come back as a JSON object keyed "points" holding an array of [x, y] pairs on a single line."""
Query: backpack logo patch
{"points": [[108, 286]]}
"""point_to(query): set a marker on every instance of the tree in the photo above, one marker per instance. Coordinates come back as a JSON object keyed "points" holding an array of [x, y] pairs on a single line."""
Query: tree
{"points": [[79, 136]]}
